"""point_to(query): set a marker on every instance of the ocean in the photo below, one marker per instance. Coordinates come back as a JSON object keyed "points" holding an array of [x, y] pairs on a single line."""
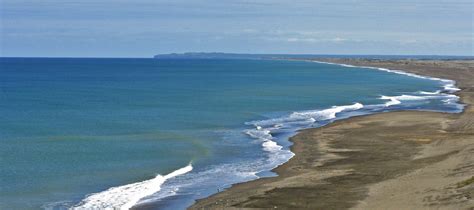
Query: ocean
{"points": [[101, 133]]}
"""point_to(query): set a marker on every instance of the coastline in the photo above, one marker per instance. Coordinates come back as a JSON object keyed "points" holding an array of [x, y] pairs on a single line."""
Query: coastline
{"points": [[403, 159]]}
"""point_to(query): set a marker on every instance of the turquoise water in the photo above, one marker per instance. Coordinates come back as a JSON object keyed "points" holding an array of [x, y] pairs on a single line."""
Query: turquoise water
{"points": [[72, 127]]}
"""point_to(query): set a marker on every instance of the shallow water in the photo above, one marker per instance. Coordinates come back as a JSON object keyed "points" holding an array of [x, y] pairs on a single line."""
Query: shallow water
{"points": [[72, 127]]}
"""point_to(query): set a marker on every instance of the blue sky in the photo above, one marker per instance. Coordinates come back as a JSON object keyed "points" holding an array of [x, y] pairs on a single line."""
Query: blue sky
{"points": [[142, 28]]}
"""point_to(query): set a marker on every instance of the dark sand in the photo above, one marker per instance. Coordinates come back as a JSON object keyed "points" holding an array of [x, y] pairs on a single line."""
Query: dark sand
{"points": [[397, 160]]}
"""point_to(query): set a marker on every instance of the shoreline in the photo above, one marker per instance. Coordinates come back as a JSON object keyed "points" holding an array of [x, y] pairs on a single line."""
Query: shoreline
{"points": [[325, 171]]}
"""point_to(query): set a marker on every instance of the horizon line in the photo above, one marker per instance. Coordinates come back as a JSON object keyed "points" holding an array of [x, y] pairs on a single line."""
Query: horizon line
{"points": [[291, 54]]}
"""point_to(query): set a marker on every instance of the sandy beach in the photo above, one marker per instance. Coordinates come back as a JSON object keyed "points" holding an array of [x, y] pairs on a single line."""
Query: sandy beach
{"points": [[396, 160]]}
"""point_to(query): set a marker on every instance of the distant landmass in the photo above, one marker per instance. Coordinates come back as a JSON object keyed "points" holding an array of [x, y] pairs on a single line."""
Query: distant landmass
{"points": [[220, 55]]}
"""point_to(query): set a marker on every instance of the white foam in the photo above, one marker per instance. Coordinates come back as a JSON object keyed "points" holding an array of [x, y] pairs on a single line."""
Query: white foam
{"points": [[264, 128], [304, 117], [449, 85], [326, 114], [271, 146], [393, 100], [217, 177], [264, 135], [411, 98], [126, 196], [347, 65], [429, 93]]}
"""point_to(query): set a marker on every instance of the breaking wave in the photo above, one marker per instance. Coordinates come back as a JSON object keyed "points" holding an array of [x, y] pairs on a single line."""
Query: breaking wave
{"points": [[126, 196]]}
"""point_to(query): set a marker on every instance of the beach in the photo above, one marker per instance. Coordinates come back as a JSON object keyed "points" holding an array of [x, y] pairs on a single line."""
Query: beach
{"points": [[393, 160]]}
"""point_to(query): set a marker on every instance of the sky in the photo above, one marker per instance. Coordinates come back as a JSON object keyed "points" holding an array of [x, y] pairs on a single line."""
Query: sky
{"points": [[143, 28]]}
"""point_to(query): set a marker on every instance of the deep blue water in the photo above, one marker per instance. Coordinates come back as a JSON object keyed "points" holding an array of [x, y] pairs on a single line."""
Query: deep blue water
{"points": [[72, 127]]}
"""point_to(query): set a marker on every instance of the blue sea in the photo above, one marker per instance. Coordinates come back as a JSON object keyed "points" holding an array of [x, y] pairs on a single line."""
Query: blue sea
{"points": [[158, 134]]}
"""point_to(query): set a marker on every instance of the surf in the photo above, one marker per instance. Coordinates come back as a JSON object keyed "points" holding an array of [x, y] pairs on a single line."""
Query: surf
{"points": [[126, 196]]}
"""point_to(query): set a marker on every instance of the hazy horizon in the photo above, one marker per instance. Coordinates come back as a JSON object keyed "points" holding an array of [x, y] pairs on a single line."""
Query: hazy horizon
{"points": [[143, 28], [294, 54]]}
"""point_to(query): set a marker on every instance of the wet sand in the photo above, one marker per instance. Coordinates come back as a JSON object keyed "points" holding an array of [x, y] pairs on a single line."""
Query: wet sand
{"points": [[397, 160]]}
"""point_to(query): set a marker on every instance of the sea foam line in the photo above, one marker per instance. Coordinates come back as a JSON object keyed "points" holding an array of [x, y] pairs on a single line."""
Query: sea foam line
{"points": [[395, 100], [126, 196], [449, 85], [263, 129]]}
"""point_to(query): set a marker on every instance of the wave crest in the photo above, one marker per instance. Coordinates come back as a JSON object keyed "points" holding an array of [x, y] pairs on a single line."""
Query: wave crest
{"points": [[126, 196]]}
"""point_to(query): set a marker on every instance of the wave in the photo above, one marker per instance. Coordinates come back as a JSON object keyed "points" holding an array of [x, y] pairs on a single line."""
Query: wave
{"points": [[330, 113], [429, 93], [126, 196], [263, 129], [395, 100], [451, 86], [303, 117]]}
